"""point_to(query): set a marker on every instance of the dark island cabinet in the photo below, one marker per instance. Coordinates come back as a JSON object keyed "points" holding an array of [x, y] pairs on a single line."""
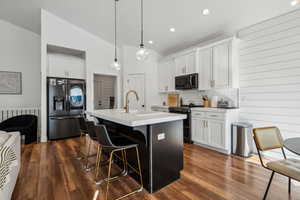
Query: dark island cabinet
{"points": [[160, 149]]}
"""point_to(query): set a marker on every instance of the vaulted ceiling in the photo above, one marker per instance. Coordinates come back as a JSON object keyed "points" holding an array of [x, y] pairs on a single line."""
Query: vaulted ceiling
{"points": [[96, 16]]}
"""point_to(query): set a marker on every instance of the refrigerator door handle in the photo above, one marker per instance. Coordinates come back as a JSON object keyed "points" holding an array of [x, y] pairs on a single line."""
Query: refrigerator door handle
{"points": [[65, 117], [60, 118], [67, 97]]}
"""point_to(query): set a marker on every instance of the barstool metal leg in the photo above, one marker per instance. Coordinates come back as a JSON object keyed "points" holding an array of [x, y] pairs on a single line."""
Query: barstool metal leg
{"points": [[124, 172], [87, 156], [109, 171], [290, 185], [98, 161], [99, 164], [139, 165], [80, 157], [140, 175]]}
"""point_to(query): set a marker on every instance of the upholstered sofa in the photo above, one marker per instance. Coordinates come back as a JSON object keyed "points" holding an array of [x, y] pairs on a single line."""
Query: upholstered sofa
{"points": [[10, 162]]}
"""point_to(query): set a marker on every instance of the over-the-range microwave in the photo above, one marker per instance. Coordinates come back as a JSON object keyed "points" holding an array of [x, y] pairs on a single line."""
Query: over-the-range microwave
{"points": [[186, 82]]}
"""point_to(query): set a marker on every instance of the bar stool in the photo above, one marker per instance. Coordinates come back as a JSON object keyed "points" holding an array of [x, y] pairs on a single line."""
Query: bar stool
{"points": [[90, 125], [118, 145], [83, 132], [92, 138]]}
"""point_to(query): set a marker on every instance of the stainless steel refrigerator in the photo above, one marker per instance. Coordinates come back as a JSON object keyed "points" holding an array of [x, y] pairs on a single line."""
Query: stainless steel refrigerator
{"points": [[66, 103]]}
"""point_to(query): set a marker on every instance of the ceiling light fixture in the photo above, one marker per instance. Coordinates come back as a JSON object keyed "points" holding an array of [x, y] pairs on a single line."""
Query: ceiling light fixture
{"points": [[150, 42], [172, 30], [295, 2], [142, 53], [206, 12], [116, 65]]}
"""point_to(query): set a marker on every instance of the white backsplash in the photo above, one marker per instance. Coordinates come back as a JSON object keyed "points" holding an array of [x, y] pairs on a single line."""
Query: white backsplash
{"points": [[195, 96]]}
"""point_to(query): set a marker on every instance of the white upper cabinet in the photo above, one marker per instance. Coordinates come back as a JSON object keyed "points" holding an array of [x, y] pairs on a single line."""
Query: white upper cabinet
{"points": [[185, 64], [191, 60], [217, 65], [205, 69], [221, 66], [166, 74], [180, 65]]}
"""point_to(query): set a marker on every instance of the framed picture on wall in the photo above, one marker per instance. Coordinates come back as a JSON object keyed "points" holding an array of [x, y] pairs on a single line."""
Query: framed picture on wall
{"points": [[10, 82]]}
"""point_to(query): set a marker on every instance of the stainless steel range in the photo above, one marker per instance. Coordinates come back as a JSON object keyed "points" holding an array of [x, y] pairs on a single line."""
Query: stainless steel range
{"points": [[187, 123]]}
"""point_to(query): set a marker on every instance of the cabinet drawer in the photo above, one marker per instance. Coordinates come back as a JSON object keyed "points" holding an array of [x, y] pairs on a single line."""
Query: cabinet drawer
{"points": [[198, 114], [218, 116]]}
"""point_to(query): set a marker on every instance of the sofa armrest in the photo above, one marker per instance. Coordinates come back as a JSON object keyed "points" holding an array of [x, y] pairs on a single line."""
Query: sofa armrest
{"points": [[14, 144]]}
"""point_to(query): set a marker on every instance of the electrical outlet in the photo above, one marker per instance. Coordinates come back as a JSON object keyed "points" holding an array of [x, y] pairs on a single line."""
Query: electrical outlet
{"points": [[161, 136]]}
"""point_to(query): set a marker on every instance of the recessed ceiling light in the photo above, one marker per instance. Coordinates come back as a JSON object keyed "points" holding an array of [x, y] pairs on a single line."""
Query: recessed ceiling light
{"points": [[206, 12], [150, 42], [295, 2], [172, 29]]}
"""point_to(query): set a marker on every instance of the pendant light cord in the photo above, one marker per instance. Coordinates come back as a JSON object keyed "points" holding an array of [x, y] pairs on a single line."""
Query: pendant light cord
{"points": [[142, 23], [116, 30]]}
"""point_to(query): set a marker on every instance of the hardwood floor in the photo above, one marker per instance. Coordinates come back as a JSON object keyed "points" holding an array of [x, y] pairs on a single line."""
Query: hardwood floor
{"points": [[50, 172]]}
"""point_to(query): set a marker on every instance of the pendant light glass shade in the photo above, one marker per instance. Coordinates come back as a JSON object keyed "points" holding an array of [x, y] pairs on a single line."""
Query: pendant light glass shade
{"points": [[116, 65], [142, 54]]}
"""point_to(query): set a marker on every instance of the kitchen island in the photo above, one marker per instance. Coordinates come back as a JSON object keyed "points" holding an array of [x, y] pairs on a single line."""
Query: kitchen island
{"points": [[160, 139]]}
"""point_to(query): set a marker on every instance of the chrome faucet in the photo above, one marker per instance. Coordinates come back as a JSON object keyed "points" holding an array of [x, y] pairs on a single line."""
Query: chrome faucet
{"points": [[127, 100]]}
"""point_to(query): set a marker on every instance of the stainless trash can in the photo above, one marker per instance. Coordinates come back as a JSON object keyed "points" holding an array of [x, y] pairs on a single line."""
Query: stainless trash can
{"points": [[242, 140]]}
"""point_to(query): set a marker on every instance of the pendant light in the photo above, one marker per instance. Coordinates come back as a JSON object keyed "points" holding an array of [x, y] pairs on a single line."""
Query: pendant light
{"points": [[116, 65], [142, 53]]}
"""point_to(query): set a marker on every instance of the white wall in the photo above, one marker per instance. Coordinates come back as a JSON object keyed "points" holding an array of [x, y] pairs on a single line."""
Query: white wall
{"points": [[99, 54], [66, 66], [270, 73], [131, 65], [20, 52]]}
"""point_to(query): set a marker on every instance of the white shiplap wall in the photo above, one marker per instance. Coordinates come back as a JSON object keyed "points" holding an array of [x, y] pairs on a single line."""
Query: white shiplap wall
{"points": [[270, 73]]}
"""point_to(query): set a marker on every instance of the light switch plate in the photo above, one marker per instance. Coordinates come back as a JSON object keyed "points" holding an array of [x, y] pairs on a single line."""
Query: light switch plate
{"points": [[161, 136]]}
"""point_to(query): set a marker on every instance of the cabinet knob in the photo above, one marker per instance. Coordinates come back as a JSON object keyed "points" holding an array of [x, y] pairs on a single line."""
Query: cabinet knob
{"points": [[206, 124]]}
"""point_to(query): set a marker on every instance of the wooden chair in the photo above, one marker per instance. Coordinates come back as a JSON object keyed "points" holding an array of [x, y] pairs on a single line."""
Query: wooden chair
{"points": [[269, 138]]}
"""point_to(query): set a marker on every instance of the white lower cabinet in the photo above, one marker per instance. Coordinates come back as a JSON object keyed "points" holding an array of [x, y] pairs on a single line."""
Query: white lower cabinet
{"points": [[198, 131], [213, 129], [216, 133]]}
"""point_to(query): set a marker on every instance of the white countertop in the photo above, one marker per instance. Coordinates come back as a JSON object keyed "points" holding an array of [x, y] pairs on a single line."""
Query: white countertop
{"points": [[159, 106], [221, 110], [136, 118]]}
